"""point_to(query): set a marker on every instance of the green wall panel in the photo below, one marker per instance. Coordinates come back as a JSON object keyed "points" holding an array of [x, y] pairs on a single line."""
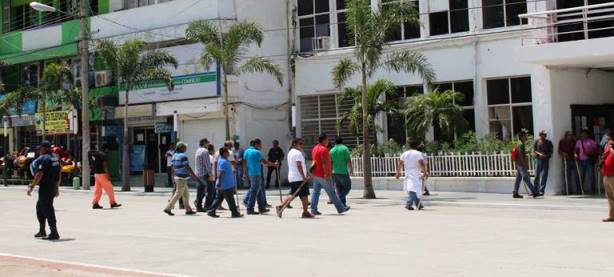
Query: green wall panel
{"points": [[71, 30], [10, 43], [103, 6]]}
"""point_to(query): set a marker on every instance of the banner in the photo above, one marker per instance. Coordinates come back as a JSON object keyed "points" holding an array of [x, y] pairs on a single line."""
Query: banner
{"points": [[57, 123]]}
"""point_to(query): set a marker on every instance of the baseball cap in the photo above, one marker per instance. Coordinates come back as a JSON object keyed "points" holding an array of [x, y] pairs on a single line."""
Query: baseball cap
{"points": [[45, 144], [181, 144]]}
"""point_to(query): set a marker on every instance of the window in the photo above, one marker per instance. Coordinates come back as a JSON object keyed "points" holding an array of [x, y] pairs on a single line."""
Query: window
{"points": [[314, 24], [509, 106], [599, 23], [503, 13], [396, 123], [449, 16], [131, 4], [30, 74], [466, 89], [407, 30], [343, 37], [319, 114]]}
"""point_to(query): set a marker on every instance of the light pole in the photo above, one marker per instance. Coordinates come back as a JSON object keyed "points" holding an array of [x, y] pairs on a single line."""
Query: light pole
{"points": [[84, 53]]}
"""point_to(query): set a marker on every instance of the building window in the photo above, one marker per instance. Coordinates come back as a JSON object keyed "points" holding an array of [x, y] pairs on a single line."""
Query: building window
{"points": [[131, 4], [509, 106], [503, 13], [397, 129], [30, 74], [466, 89], [314, 24], [599, 23], [406, 30], [448, 16], [320, 114], [343, 37]]}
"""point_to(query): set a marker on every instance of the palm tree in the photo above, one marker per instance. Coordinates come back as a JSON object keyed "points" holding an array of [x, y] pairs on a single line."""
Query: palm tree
{"points": [[53, 88], [132, 65], [437, 109], [228, 49], [370, 28]]}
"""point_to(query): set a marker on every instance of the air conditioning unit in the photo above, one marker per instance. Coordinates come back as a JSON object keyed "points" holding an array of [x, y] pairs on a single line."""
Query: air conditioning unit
{"points": [[102, 78], [321, 43]]}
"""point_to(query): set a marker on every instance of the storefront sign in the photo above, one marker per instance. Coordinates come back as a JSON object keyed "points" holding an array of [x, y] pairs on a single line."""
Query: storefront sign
{"points": [[22, 121], [56, 122], [191, 80], [162, 128]]}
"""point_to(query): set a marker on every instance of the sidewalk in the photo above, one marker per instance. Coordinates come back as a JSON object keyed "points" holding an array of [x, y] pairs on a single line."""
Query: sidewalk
{"points": [[386, 197]]}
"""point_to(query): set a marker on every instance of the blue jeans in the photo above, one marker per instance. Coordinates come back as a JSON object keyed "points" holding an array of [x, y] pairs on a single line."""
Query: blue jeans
{"points": [[248, 194], [412, 198], [327, 185], [200, 191], [523, 175], [344, 185], [587, 175], [541, 174], [239, 177], [256, 194]]}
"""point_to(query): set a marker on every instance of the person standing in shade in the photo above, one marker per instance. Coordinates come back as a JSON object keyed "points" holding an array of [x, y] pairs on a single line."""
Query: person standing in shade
{"points": [[607, 171], [252, 164], [169, 166], [238, 155], [342, 160], [322, 177], [225, 185], [567, 147], [607, 133], [412, 161], [522, 166], [586, 155], [297, 177], [100, 168], [542, 151], [47, 177], [276, 155], [182, 173], [203, 170]]}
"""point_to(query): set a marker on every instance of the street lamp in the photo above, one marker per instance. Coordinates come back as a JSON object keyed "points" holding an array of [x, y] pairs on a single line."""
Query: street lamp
{"points": [[84, 53]]}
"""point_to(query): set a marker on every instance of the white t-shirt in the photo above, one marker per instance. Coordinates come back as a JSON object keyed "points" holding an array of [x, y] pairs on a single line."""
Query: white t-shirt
{"points": [[293, 173], [413, 172]]}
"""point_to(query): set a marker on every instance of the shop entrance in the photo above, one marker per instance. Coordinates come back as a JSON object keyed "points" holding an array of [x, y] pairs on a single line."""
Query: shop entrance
{"points": [[149, 149], [595, 118]]}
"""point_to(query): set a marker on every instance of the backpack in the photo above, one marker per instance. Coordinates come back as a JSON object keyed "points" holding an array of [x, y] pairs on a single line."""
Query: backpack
{"points": [[515, 153]]}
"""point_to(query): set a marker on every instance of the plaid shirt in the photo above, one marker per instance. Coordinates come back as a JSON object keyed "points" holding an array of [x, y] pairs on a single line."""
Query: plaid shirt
{"points": [[203, 163]]}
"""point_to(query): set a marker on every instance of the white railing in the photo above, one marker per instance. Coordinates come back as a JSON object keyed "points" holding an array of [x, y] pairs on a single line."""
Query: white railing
{"points": [[578, 23], [497, 164]]}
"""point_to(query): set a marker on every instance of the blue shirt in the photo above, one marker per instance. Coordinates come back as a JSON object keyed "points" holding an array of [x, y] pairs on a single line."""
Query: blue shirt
{"points": [[180, 164], [50, 166], [253, 158], [227, 179]]}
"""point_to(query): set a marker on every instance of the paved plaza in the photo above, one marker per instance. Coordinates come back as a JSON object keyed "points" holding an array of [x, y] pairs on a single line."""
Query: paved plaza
{"points": [[456, 235]]}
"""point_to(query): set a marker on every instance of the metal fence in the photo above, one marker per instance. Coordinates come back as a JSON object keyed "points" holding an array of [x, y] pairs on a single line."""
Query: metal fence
{"points": [[496, 164]]}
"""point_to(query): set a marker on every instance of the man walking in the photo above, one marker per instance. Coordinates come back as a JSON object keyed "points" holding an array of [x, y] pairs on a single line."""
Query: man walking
{"points": [[297, 177], [252, 164], [47, 177], [238, 155], [203, 172], [169, 166], [322, 177], [519, 157], [542, 150], [342, 160], [567, 147], [100, 168], [276, 155], [225, 185], [607, 171], [586, 155], [182, 173], [412, 161]]}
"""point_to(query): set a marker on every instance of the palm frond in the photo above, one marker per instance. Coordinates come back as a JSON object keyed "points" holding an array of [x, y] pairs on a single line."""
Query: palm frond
{"points": [[106, 49], [412, 62], [393, 14], [203, 31], [343, 71], [243, 33], [260, 64]]}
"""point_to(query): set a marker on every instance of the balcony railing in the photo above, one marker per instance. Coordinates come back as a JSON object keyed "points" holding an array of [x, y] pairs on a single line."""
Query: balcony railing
{"points": [[570, 24]]}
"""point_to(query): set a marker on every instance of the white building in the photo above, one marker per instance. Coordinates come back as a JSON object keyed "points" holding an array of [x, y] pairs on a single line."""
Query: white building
{"points": [[513, 74]]}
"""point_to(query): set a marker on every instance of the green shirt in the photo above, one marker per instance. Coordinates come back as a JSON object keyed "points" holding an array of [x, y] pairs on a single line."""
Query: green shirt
{"points": [[339, 155]]}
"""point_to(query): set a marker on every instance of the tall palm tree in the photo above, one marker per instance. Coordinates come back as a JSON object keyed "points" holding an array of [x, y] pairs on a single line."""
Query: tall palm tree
{"points": [[227, 49], [370, 28], [53, 88], [437, 109], [131, 65]]}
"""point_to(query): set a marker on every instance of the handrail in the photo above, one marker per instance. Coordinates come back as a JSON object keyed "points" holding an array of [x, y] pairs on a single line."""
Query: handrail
{"points": [[549, 12]]}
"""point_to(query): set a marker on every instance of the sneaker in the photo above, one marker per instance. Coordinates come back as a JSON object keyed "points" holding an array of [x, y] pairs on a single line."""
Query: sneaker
{"points": [[168, 212], [53, 236], [288, 207], [308, 215], [96, 206], [200, 210], [264, 211], [517, 196], [237, 215], [252, 212], [115, 205], [213, 215], [609, 219], [409, 208], [426, 193], [421, 207], [316, 213], [345, 210], [40, 234], [268, 206], [537, 195], [190, 213]]}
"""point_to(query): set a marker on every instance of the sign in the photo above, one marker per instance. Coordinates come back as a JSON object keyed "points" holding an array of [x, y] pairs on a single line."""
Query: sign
{"points": [[22, 121], [56, 122], [192, 80], [162, 128]]}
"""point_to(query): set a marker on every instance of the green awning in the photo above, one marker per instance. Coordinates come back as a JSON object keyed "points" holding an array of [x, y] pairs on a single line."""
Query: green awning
{"points": [[41, 54]]}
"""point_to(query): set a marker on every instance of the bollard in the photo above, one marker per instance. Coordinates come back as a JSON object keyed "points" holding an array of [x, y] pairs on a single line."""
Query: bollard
{"points": [[76, 183]]}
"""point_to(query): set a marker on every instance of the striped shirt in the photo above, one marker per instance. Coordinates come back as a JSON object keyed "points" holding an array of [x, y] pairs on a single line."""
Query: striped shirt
{"points": [[203, 163], [180, 165]]}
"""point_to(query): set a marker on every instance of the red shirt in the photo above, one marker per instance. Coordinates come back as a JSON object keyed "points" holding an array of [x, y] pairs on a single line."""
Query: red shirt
{"points": [[608, 163], [319, 154]]}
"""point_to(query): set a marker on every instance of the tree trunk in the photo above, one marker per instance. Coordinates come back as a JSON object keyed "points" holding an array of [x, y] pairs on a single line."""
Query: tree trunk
{"points": [[368, 192], [226, 112], [126, 149]]}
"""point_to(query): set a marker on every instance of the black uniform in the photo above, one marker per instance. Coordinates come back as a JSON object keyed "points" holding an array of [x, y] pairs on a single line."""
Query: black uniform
{"points": [[49, 165], [276, 154]]}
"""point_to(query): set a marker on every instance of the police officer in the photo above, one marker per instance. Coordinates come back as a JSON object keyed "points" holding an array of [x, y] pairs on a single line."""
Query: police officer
{"points": [[46, 175]]}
